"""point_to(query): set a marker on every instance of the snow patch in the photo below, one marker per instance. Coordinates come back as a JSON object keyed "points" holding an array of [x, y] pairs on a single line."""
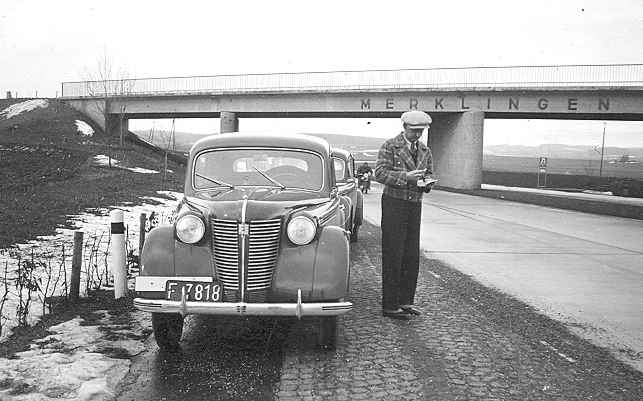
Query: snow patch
{"points": [[140, 170], [67, 365], [103, 161], [84, 129], [23, 107]]}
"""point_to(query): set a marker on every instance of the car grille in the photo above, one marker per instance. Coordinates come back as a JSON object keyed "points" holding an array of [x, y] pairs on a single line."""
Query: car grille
{"points": [[263, 247]]}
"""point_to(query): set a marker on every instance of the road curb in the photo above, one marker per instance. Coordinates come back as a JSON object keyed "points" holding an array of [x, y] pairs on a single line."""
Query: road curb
{"points": [[564, 201]]}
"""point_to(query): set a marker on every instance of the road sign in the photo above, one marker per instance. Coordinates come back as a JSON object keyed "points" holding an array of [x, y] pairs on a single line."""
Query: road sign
{"points": [[542, 170]]}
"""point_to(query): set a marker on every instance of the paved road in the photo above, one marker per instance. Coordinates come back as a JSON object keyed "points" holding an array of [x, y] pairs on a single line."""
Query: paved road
{"points": [[472, 343], [582, 269]]}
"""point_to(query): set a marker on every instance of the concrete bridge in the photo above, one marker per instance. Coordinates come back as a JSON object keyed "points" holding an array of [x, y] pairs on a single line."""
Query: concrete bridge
{"points": [[458, 99]]}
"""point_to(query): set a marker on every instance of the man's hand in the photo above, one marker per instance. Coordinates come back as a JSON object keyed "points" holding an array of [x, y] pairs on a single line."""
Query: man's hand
{"points": [[413, 176]]}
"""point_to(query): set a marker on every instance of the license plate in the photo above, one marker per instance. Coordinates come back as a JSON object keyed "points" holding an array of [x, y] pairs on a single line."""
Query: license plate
{"points": [[194, 291]]}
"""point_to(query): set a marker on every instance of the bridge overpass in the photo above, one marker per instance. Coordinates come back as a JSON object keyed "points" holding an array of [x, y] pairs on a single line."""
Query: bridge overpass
{"points": [[458, 99]]}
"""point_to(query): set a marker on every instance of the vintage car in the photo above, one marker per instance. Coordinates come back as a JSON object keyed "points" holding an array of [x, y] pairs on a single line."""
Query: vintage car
{"points": [[350, 196], [261, 231]]}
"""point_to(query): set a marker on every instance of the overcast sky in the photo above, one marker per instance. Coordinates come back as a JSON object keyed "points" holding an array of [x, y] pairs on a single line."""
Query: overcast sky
{"points": [[43, 43]]}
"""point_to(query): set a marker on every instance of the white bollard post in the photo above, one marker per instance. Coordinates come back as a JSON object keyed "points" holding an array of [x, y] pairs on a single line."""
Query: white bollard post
{"points": [[117, 255]]}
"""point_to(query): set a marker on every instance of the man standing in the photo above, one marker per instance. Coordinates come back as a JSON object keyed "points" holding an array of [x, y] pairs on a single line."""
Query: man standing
{"points": [[401, 162]]}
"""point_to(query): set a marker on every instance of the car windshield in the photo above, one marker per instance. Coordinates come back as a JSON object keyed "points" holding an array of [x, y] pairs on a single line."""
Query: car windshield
{"points": [[296, 169]]}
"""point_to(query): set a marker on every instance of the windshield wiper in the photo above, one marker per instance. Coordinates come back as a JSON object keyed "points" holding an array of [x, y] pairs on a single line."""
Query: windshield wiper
{"points": [[269, 178], [223, 184]]}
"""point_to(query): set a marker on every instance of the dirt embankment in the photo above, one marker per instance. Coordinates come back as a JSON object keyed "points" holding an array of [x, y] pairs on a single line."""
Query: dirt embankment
{"points": [[48, 169]]}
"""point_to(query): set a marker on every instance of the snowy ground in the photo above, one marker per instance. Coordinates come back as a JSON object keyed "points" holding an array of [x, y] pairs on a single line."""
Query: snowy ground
{"points": [[102, 160], [96, 227], [23, 107], [74, 362], [84, 129], [81, 360]]}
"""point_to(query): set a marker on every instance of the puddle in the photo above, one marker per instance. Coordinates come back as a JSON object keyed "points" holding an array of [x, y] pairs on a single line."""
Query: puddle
{"points": [[50, 257]]}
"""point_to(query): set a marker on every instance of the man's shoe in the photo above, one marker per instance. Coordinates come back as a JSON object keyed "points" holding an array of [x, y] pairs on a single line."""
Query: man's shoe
{"points": [[395, 314], [411, 310]]}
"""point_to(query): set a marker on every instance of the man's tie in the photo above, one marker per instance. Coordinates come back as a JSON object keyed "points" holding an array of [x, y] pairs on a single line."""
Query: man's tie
{"points": [[414, 151]]}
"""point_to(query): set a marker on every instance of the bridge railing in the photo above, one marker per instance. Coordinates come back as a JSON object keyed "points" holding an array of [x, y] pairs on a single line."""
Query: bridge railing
{"points": [[612, 75]]}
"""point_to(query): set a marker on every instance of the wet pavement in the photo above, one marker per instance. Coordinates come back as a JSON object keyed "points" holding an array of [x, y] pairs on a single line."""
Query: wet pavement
{"points": [[582, 269], [471, 343]]}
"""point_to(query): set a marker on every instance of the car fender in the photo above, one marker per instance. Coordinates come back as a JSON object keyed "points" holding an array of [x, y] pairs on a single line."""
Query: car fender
{"points": [[332, 264], [157, 256], [163, 255], [294, 270]]}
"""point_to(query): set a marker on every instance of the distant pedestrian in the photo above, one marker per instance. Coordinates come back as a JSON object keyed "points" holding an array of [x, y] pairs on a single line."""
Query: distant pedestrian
{"points": [[364, 168], [364, 173], [402, 161]]}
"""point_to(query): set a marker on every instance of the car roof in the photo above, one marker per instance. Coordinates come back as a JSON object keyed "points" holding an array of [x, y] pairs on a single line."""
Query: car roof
{"points": [[240, 139]]}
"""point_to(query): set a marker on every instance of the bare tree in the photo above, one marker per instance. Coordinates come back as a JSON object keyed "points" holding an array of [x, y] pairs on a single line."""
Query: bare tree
{"points": [[48, 282], [107, 86], [4, 289]]}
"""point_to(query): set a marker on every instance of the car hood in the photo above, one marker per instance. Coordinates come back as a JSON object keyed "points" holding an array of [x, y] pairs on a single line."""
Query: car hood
{"points": [[263, 203]]}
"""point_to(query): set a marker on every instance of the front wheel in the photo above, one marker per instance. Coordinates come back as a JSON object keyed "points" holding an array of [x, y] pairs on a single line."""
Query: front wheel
{"points": [[328, 332], [168, 328], [354, 232]]}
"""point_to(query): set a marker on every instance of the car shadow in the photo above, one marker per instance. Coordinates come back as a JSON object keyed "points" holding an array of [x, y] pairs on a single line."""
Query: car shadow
{"points": [[222, 358]]}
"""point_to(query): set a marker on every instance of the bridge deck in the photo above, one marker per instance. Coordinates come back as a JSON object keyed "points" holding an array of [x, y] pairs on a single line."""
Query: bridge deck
{"points": [[514, 77]]}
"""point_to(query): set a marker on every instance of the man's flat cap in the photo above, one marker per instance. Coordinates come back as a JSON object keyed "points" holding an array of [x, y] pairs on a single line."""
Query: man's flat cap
{"points": [[416, 119]]}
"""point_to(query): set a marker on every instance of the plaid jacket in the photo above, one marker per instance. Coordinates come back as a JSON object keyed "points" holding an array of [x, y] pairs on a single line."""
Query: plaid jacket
{"points": [[394, 160]]}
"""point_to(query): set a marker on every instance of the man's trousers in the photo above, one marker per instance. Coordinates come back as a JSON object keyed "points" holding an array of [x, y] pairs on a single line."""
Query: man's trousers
{"points": [[400, 251]]}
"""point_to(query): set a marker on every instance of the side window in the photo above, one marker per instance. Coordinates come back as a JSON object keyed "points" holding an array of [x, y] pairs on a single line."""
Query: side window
{"points": [[340, 170]]}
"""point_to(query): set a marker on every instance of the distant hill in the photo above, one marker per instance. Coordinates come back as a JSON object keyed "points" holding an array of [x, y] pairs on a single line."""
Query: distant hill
{"points": [[184, 140], [561, 151], [365, 148]]}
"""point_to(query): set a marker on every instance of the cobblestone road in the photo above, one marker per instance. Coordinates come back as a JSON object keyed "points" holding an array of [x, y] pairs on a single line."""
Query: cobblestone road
{"points": [[471, 343]]}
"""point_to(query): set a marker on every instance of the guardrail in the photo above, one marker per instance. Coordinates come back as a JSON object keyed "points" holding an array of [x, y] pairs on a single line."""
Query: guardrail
{"points": [[611, 75]]}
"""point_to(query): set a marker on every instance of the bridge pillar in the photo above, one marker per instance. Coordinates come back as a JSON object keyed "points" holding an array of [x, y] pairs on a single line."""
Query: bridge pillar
{"points": [[229, 122], [455, 140], [115, 124]]}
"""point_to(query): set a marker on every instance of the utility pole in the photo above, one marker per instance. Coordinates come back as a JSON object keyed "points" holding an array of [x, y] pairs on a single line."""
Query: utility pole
{"points": [[600, 170]]}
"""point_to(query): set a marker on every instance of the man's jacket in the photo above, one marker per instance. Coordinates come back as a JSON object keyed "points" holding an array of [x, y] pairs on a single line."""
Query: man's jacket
{"points": [[394, 160]]}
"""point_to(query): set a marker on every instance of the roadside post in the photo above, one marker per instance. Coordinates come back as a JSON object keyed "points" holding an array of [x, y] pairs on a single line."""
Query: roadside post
{"points": [[117, 253], [141, 233], [542, 170], [76, 263]]}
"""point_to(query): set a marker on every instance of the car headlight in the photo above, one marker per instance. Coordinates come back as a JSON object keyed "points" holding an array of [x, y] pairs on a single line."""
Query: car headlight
{"points": [[301, 230], [190, 228]]}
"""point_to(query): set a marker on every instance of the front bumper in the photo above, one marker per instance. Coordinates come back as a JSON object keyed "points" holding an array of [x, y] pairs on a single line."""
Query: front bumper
{"points": [[298, 309], [184, 307]]}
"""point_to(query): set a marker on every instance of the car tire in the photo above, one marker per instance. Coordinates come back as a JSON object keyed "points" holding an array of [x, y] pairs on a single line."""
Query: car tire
{"points": [[327, 332], [168, 328], [354, 232]]}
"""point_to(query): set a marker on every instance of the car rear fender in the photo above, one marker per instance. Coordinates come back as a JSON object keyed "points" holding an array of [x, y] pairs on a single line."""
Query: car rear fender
{"points": [[359, 209]]}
